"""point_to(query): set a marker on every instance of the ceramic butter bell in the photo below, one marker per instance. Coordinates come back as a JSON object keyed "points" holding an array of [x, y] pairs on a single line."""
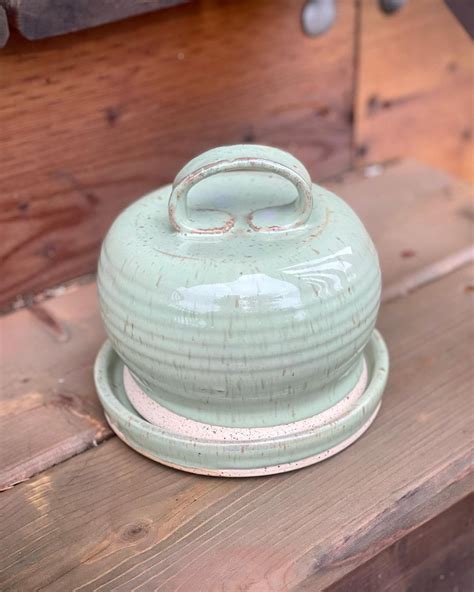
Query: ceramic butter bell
{"points": [[240, 306]]}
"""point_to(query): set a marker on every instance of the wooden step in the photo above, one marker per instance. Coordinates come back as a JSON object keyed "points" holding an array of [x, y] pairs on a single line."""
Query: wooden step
{"points": [[110, 519], [420, 220]]}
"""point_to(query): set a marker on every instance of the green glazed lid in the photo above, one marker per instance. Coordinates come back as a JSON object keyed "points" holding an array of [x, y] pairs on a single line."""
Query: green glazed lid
{"points": [[241, 297]]}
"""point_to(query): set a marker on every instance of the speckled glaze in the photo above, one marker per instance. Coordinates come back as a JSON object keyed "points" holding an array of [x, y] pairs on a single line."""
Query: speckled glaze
{"points": [[241, 298], [238, 452]]}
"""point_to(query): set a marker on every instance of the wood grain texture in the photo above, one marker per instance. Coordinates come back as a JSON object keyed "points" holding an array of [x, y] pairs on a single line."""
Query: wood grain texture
{"points": [[416, 216], [94, 120], [415, 77], [437, 557], [48, 407], [47, 352], [462, 10], [37, 19], [110, 519], [4, 28]]}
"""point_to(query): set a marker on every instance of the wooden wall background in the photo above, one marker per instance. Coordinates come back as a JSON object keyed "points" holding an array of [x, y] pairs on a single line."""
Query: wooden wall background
{"points": [[415, 87], [92, 120]]}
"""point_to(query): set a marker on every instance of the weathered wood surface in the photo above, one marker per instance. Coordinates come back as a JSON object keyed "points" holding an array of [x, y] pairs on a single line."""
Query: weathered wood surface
{"points": [[37, 19], [91, 121], [415, 214], [437, 557], [462, 10], [415, 76], [110, 519], [4, 28], [48, 407]]}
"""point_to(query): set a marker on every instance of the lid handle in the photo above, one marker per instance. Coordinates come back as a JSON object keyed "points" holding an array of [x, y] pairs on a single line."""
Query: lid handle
{"points": [[241, 158]]}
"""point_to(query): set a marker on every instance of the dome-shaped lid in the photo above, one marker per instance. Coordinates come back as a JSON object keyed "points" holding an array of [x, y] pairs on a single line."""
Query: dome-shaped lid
{"points": [[236, 212]]}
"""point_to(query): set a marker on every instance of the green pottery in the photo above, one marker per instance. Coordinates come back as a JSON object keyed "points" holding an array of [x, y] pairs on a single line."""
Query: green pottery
{"points": [[240, 306]]}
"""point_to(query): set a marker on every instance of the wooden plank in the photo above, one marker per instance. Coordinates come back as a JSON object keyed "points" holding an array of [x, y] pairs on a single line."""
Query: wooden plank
{"points": [[414, 87], [92, 121], [48, 407], [111, 519], [437, 557], [462, 10], [47, 354], [37, 19], [4, 28], [417, 216]]}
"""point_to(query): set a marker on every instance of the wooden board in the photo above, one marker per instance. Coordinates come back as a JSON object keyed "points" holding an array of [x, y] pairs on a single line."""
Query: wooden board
{"points": [[47, 354], [437, 557], [4, 28], [420, 219], [48, 407], [415, 76], [37, 19], [111, 519], [92, 121], [462, 10]]}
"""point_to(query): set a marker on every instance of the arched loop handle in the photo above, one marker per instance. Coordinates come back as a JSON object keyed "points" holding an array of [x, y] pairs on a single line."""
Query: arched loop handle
{"points": [[208, 165]]}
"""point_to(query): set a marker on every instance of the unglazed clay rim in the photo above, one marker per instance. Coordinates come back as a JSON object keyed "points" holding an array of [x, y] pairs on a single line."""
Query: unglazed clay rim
{"points": [[147, 438], [258, 472], [169, 421]]}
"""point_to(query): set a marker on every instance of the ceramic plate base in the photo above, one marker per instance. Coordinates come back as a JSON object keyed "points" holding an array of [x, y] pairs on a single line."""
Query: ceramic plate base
{"points": [[237, 452]]}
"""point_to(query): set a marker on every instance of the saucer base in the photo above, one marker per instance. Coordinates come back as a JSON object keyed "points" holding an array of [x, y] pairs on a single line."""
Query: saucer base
{"points": [[204, 449]]}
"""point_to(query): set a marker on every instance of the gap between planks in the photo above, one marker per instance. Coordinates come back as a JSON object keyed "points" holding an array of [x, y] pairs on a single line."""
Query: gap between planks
{"points": [[428, 274]]}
